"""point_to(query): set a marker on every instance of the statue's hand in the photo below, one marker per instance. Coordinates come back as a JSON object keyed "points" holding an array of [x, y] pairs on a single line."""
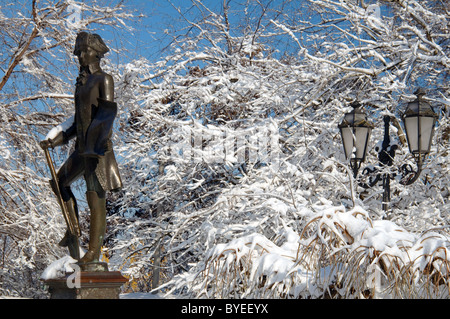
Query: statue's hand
{"points": [[58, 140], [46, 144]]}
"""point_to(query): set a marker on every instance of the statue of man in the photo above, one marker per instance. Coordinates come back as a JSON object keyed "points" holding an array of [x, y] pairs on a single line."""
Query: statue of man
{"points": [[93, 156]]}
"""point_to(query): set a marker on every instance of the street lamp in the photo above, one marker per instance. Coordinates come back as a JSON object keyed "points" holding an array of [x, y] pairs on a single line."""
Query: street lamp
{"points": [[355, 132], [419, 120]]}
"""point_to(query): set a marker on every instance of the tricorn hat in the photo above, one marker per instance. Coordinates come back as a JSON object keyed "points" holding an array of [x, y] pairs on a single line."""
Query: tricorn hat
{"points": [[94, 41]]}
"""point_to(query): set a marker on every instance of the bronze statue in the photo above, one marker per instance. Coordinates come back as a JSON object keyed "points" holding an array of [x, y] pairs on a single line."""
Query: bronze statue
{"points": [[93, 156]]}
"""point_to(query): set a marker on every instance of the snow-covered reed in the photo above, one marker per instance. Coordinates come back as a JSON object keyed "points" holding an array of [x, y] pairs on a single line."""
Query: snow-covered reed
{"points": [[339, 254]]}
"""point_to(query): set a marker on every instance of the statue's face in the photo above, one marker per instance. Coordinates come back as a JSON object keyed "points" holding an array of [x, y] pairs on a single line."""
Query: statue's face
{"points": [[87, 56]]}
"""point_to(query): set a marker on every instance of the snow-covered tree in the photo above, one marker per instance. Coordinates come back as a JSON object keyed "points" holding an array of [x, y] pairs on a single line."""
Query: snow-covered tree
{"points": [[232, 77]]}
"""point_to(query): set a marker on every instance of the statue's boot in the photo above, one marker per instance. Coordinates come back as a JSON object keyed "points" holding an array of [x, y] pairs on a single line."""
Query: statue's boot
{"points": [[97, 228], [73, 210], [71, 240]]}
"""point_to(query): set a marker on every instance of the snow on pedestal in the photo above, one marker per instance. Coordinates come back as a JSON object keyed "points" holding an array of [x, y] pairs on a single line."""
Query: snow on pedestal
{"points": [[59, 268], [67, 280]]}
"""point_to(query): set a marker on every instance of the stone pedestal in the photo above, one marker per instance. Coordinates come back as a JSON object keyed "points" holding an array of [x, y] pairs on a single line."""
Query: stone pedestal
{"points": [[87, 284]]}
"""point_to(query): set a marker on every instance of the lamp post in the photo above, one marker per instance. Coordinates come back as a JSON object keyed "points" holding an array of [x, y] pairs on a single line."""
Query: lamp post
{"points": [[419, 120]]}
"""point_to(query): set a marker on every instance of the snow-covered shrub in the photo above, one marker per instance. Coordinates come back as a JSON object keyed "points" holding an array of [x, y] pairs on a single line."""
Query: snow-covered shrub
{"points": [[340, 254]]}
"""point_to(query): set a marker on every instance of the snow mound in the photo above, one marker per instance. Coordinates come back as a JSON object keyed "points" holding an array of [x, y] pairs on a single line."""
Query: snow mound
{"points": [[59, 268]]}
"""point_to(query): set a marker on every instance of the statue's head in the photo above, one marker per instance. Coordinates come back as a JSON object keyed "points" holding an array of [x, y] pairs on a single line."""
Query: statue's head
{"points": [[90, 42]]}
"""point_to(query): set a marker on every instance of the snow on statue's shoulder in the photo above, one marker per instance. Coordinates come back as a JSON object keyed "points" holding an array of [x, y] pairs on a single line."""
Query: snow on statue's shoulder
{"points": [[59, 268], [60, 128]]}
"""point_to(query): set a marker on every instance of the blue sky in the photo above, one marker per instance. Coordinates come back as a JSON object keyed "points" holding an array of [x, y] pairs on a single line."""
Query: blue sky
{"points": [[149, 38], [153, 17]]}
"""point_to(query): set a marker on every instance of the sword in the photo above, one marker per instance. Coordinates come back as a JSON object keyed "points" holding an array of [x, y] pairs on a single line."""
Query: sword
{"points": [[73, 228]]}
